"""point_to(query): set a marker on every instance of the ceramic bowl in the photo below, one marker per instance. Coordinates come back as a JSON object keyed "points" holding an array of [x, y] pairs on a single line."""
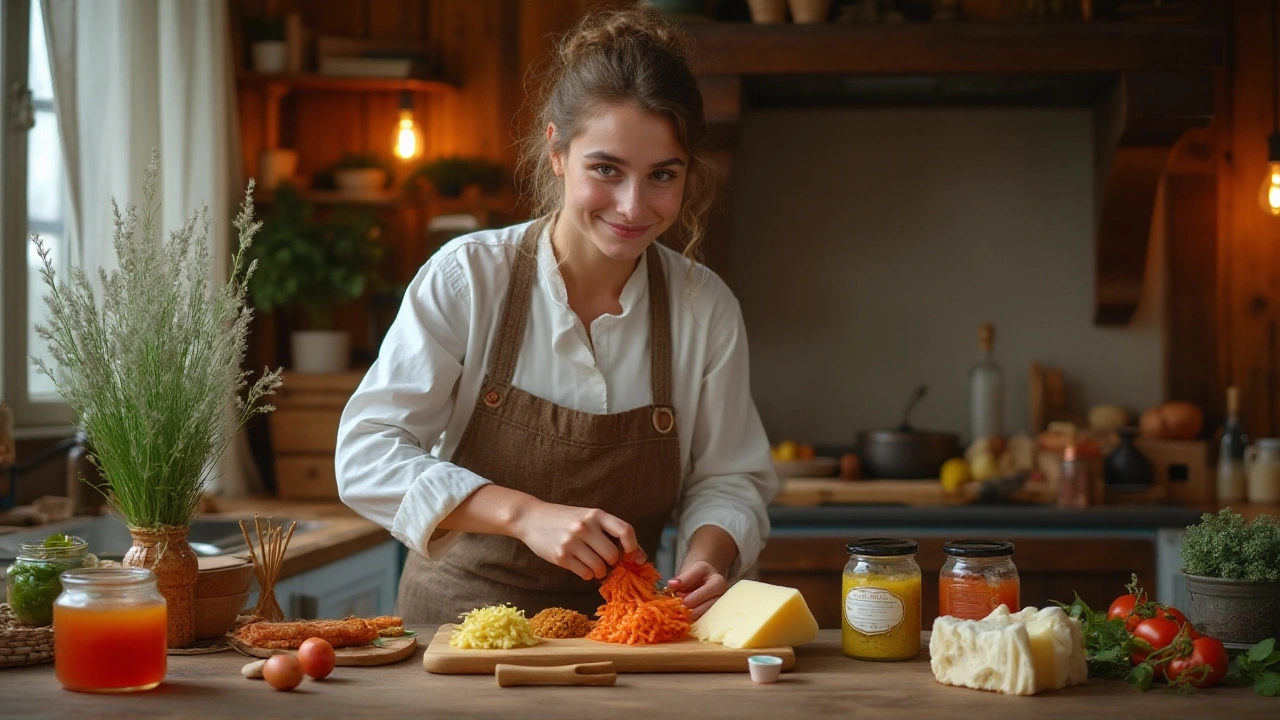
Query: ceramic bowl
{"points": [[223, 575], [764, 668], [216, 615]]}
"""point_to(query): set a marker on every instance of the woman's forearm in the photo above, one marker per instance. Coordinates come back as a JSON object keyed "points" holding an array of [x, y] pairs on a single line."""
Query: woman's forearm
{"points": [[714, 545], [491, 510]]}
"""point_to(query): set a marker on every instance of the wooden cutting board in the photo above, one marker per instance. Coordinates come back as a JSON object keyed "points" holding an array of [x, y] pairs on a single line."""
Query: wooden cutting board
{"points": [[682, 656], [808, 492], [382, 651]]}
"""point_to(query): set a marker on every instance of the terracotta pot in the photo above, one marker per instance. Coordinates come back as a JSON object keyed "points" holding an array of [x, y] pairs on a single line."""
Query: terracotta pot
{"points": [[768, 11], [165, 552], [805, 12]]}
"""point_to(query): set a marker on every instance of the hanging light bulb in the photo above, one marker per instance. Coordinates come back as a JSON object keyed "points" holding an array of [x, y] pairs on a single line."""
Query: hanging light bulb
{"points": [[407, 140], [1269, 193]]}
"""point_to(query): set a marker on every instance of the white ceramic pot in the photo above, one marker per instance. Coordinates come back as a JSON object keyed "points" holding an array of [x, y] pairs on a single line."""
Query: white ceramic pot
{"points": [[270, 56], [320, 351], [360, 180]]}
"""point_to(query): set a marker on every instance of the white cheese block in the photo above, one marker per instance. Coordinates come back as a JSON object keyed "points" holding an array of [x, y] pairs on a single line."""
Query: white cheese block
{"points": [[1021, 653], [755, 614]]}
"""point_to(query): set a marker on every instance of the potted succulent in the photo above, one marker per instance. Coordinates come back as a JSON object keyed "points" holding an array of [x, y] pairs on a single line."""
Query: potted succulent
{"points": [[313, 266], [451, 175], [1232, 571], [150, 363], [360, 174]]}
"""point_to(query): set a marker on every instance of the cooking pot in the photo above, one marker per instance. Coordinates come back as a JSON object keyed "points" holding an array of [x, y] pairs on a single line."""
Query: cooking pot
{"points": [[906, 453]]}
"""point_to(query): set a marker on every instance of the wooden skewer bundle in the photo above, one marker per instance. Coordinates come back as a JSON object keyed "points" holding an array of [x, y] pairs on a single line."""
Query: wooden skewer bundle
{"points": [[267, 562]]}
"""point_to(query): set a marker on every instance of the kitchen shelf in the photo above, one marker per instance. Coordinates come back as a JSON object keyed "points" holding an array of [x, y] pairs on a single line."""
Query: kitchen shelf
{"points": [[342, 83], [336, 197]]}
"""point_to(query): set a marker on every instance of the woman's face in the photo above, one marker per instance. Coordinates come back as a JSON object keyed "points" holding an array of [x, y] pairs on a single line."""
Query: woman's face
{"points": [[624, 177]]}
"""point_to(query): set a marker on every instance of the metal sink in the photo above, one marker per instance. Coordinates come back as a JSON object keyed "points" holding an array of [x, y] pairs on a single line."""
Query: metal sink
{"points": [[108, 536]]}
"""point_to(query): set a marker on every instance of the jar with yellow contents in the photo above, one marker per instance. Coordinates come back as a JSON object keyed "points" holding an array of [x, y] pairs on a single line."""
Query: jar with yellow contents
{"points": [[881, 600]]}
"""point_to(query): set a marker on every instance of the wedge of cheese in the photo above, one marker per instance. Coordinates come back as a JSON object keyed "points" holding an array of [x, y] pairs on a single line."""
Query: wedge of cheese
{"points": [[755, 614], [1020, 653]]}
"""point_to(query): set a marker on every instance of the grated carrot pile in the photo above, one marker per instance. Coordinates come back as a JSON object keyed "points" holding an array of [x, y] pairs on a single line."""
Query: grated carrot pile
{"points": [[634, 613]]}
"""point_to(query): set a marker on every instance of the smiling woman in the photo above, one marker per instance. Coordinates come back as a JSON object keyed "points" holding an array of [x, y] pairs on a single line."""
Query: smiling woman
{"points": [[552, 394]]}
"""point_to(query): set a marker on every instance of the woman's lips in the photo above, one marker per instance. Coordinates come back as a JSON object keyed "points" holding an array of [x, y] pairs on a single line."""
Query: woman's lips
{"points": [[627, 232]]}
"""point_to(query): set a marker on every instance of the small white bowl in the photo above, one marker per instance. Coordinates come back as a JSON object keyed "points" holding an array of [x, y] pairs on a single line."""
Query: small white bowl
{"points": [[764, 668]]}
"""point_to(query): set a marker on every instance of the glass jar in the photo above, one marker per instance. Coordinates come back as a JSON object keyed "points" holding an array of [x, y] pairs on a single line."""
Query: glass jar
{"points": [[881, 600], [109, 631], [33, 581], [978, 577]]}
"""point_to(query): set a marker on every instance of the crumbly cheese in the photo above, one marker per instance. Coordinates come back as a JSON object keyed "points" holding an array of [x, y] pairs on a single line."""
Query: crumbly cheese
{"points": [[491, 628], [1021, 653], [755, 614]]}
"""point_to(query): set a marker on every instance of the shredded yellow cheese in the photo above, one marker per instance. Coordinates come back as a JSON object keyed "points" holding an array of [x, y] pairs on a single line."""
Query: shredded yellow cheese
{"points": [[497, 627]]}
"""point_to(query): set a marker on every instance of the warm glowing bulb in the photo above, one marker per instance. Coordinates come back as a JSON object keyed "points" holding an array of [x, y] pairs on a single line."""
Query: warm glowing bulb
{"points": [[408, 138], [1269, 194]]}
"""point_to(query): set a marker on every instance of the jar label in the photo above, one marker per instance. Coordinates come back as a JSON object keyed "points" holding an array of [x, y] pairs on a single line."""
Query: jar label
{"points": [[873, 610]]}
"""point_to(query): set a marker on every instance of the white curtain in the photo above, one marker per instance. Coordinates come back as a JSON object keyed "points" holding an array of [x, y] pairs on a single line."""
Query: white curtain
{"points": [[132, 75]]}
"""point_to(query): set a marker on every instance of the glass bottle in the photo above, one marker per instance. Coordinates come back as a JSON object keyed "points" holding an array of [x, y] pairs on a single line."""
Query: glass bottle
{"points": [[1231, 449], [978, 577], [1077, 476], [110, 629], [880, 598], [34, 581], [986, 389]]}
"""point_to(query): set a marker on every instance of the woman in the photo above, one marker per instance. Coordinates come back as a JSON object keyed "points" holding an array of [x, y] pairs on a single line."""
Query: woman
{"points": [[552, 394]]}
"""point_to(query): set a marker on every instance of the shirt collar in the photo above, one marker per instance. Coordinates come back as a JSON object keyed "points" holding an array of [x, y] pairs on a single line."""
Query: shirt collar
{"points": [[635, 291]]}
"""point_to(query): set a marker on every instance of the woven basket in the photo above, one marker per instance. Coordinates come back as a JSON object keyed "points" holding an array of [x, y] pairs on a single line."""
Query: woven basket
{"points": [[21, 645]]}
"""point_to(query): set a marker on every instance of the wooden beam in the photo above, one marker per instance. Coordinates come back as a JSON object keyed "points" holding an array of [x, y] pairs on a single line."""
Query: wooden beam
{"points": [[1138, 123], [928, 48]]}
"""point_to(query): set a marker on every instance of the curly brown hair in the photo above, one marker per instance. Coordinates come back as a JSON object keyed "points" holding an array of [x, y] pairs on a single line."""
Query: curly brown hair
{"points": [[613, 56]]}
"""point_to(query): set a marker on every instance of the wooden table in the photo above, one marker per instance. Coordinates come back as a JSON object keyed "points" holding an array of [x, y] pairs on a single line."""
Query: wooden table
{"points": [[825, 684]]}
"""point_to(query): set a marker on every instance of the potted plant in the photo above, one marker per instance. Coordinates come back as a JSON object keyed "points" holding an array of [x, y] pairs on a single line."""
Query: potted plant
{"points": [[266, 44], [150, 363], [1232, 571], [450, 175], [313, 266], [360, 174]]}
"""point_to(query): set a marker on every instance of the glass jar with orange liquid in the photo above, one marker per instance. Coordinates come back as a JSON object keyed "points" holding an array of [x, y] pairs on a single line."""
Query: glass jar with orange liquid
{"points": [[109, 631], [977, 577]]}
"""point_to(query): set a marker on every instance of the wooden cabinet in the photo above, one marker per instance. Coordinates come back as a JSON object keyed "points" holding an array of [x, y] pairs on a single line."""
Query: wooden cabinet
{"points": [[304, 432], [1051, 568]]}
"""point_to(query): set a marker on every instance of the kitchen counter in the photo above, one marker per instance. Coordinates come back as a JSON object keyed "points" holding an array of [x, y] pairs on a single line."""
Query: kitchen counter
{"points": [[1040, 517], [824, 684]]}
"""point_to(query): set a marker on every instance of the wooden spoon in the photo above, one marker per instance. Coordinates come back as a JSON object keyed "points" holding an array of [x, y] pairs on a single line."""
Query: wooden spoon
{"points": [[596, 673]]}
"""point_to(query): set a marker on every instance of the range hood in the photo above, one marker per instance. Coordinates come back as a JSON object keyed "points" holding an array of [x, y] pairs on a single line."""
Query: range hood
{"points": [[1146, 83]]}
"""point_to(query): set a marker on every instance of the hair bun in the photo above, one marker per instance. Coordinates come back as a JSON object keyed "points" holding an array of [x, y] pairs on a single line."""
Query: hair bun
{"points": [[605, 31]]}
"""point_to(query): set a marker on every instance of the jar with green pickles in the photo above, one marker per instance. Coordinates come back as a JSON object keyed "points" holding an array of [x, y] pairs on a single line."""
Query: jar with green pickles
{"points": [[33, 580]]}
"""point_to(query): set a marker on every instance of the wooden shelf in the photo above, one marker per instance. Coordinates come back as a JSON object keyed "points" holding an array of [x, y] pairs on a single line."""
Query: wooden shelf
{"points": [[336, 197], [944, 48], [342, 83]]}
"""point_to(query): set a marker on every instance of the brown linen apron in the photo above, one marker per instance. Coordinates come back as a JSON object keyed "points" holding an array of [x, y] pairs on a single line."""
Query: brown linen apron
{"points": [[626, 464]]}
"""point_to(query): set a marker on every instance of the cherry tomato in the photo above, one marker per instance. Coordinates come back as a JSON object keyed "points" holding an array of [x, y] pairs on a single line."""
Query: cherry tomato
{"points": [[317, 657], [282, 672], [1206, 652], [1156, 632], [1172, 613], [1123, 608]]}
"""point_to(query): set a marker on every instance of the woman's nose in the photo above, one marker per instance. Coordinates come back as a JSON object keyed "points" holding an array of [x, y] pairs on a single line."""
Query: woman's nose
{"points": [[630, 200]]}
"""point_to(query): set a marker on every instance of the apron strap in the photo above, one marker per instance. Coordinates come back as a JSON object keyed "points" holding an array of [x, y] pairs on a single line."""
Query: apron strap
{"points": [[515, 307], [659, 331]]}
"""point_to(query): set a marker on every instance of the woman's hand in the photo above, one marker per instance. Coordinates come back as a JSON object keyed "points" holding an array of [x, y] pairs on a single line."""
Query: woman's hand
{"points": [[700, 585], [580, 540]]}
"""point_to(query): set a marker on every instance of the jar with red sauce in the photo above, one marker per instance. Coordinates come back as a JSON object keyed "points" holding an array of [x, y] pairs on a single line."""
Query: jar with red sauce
{"points": [[978, 577]]}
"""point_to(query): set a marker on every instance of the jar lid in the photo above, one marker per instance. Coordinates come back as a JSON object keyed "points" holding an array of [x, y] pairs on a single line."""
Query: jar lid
{"points": [[108, 577], [978, 548], [881, 547]]}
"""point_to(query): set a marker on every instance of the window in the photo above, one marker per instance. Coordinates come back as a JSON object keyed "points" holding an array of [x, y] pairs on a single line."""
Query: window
{"points": [[34, 201]]}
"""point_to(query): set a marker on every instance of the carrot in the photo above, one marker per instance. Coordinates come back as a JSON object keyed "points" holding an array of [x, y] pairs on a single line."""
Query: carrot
{"points": [[634, 612]]}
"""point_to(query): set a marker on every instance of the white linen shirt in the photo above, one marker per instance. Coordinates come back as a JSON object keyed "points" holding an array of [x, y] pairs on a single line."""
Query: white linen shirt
{"points": [[407, 417]]}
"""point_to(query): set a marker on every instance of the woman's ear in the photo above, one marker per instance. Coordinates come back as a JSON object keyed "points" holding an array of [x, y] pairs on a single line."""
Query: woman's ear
{"points": [[557, 160]]}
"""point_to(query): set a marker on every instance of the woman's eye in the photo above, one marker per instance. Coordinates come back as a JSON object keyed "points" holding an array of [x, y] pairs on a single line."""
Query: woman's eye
{"points": [[664, 175], [606, 170]]}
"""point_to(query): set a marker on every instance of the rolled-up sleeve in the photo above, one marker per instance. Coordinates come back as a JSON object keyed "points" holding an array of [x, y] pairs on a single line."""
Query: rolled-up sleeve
{"points": [[732, 478], [385, 468]]}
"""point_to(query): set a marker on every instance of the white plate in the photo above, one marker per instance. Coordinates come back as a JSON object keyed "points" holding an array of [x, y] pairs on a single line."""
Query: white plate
{"points": [[818, 467]]}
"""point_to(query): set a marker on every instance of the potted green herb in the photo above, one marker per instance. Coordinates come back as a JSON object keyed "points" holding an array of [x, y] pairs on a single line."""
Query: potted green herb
{"points": [[450, 175], [360, 174], [313, 266], [150, 363], [1232, 571]]}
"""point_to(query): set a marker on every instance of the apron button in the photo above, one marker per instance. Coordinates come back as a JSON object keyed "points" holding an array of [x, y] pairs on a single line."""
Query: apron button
{"points": [[492, 399], [663, 420]]}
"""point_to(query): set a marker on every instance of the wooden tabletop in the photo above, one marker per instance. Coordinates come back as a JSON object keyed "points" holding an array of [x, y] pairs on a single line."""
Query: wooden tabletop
{"points": [[824, 684]]}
